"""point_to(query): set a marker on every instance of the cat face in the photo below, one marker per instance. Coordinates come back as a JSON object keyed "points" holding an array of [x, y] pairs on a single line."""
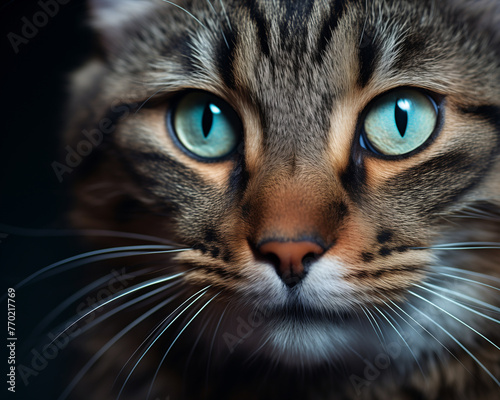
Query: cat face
{"points": [[310, 155]]}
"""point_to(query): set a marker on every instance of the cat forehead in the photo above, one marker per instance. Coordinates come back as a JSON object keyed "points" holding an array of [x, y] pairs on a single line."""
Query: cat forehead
{"points": [[297, 58]]}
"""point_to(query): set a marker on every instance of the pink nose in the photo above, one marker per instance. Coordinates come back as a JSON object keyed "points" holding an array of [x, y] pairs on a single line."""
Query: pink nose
{"points": [[290, 258]]}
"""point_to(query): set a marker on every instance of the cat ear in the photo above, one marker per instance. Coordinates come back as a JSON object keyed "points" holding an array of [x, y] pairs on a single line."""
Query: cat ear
{"points": [[112, 19]]}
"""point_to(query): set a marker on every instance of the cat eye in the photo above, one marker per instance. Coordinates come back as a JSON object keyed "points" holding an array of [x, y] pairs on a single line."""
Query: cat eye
{"points": [[399, 122], [206, 126]]}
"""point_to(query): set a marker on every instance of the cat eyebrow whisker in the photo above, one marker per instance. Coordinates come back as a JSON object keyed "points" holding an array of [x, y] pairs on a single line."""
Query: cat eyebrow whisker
{"points": [[186, 11], [402, 338], [457, 342], [221, 30], [202, 291], [107, 346], [99, 255], [455, 318], [225, 15], [176, 338]]}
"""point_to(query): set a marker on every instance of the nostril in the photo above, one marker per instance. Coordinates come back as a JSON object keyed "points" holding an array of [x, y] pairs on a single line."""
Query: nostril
{"points": [[273, 259], [291, 259], [308, 259]]}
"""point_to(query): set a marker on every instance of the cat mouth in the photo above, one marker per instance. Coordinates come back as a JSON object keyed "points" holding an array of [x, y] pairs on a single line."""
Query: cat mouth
{"points": [[297, 312]]}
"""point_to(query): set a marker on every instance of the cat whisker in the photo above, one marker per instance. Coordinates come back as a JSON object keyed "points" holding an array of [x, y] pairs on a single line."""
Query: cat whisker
{"points": [[186, 11], [155, 329], [454, 317], [402, 338], [221, 29], [70, 300], [107, 346], [457, 342], [457, 303], [472, 273], [472, 281], [462, 246], [225, 15], [195, 344], [118, 296], [149, 98], [202, 291], [426, 330], [213, 342], [99, 255], [30, 232], [364, 25], [376, 323], [371, 323], [485, 305], [175, 340]]}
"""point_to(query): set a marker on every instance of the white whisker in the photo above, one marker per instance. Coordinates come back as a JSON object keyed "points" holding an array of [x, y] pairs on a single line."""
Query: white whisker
{"points": [[157, 327], [472, 273], [106, 347], [371, 323], [403, 339], [204, 290], [464, 296], [463, 246], [175, 340], [101, 252], [427, 331], [30, 232], [213, 342], [186, 11], [457, 303], [457, 342], [70, 300], [376, 323], [120, 295], [455, 318]]}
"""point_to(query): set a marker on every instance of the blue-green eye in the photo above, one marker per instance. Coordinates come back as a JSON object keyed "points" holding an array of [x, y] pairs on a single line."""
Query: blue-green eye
{"points": [[206, 126], [399, 122]]}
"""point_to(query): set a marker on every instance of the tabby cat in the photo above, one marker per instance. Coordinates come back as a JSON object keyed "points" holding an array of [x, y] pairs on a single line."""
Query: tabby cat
{"points": [[310, 191]]}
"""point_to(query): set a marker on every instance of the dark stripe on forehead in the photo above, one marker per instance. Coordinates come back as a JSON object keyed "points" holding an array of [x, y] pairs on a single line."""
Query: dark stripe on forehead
{"points": [[260, 23], [294, 17], [329, 26], [225, 57], [367, 55]]}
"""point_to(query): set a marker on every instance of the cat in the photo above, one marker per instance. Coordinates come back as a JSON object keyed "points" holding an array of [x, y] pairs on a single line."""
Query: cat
{"points": [[310, 192]]}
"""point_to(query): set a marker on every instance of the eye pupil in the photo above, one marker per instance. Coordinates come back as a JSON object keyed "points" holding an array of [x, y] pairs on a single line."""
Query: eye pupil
{"points": [[207, 119], [401, 115]]}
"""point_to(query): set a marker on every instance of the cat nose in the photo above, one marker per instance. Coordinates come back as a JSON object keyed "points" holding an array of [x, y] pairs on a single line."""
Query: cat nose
{"points": [[291, 258]]}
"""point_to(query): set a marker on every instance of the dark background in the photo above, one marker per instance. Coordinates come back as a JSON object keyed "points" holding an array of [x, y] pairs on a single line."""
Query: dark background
{"points": [[33, 95]]}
